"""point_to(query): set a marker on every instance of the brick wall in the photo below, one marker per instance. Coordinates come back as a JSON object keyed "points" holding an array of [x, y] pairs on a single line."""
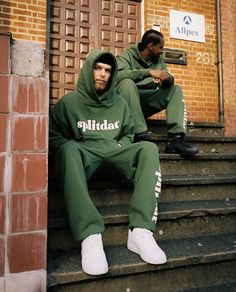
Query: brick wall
{"points": [[199, 79], [23, 146], [23, 168], [25, 19]]}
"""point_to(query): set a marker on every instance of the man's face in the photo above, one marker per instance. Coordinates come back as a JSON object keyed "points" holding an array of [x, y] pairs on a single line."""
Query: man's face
{"points": [[155, 51], [101, 75]]}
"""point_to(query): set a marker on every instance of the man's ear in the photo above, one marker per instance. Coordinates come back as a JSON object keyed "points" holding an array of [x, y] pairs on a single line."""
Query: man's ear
{"points": [[150, 46]]}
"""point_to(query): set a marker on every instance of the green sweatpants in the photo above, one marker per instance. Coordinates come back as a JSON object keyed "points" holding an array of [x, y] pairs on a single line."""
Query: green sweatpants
{"points": [[75, 162], [146, 102]]}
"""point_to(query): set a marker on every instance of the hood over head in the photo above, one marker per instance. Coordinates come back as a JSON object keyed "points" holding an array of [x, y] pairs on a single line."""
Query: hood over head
{"points": [[85, 84]]}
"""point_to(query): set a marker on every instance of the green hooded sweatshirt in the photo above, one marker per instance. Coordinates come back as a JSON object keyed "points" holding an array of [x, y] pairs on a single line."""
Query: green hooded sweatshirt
{"points": [[84, 115], [131, 65]]}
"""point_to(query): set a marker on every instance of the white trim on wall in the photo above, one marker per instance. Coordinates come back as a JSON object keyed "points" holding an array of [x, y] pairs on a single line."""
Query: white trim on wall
{"points": [[142, 17]]}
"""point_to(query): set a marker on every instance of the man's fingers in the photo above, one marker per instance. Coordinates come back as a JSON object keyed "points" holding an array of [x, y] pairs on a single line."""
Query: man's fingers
{"points": [[156, 80], [164, 76]]}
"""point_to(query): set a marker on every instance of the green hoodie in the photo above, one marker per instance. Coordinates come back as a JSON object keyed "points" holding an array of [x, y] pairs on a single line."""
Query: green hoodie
{"points": [[131, 65], [83, 115]]}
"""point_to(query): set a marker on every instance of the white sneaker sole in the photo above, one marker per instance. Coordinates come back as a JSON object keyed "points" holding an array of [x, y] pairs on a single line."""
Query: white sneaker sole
{"points": [[95, 272]]}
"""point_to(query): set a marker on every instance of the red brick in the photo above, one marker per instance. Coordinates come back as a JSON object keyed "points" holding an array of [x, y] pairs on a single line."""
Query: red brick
{"points": [[2, 172], [4, 82], [2, 214], [5, 53], [3, 132], [29, 133], [30, 95], [29, 172], [33, 281], [2, 254], [28, 212], [26, 252]]}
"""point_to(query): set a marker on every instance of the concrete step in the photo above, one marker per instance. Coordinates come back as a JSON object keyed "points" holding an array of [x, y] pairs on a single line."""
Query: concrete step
{"points": [[198, 187], [193, 128], [176, 220], [177, 189], [205, 145], [174, 188], [173, 164], [192, 263], [228, 287]]}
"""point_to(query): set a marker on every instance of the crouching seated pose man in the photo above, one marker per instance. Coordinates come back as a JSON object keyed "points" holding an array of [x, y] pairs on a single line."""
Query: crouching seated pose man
{"points": [[88, 127], [143, 80]]}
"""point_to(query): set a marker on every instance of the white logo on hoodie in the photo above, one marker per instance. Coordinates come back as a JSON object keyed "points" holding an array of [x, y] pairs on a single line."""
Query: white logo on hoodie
{"points": [[93, 125]]}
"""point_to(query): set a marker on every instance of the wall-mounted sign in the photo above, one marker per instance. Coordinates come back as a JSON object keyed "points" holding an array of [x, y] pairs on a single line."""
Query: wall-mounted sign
{"points": [[187, 26]]}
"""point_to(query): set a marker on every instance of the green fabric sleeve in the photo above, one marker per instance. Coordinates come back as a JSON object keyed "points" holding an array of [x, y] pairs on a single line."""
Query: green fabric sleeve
{"points": [[136, 75], [57, 127]]}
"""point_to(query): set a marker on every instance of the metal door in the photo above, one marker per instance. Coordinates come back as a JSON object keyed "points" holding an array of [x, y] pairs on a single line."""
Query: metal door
{"points": [[78, 26]]}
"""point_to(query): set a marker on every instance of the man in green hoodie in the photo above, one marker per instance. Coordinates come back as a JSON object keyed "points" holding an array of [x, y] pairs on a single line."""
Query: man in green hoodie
{"points": [[147, 86], [88, 127]]}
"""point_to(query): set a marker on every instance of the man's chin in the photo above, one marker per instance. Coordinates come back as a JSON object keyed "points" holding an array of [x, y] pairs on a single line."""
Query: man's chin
{"points": [[100, 87], [100, 91]]}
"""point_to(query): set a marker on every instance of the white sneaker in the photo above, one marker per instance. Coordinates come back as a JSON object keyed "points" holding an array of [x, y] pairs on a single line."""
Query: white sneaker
{"points": [[141, 241], [93, 260]]}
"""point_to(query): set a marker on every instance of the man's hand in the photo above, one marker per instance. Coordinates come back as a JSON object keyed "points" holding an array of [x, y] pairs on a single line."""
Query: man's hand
{"points": [[158, 75], [156, 80]]}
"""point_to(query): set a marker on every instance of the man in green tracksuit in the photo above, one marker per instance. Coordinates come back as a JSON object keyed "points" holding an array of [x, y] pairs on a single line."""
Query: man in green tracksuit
{"points": [[88, 127], [147, 86]]}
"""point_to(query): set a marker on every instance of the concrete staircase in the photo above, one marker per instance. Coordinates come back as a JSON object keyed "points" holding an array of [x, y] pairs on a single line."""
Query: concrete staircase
{"points": [[196, 226]]}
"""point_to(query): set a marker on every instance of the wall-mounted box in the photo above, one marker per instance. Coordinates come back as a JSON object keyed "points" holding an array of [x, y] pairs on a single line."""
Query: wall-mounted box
{"points": [[174, 56]]}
